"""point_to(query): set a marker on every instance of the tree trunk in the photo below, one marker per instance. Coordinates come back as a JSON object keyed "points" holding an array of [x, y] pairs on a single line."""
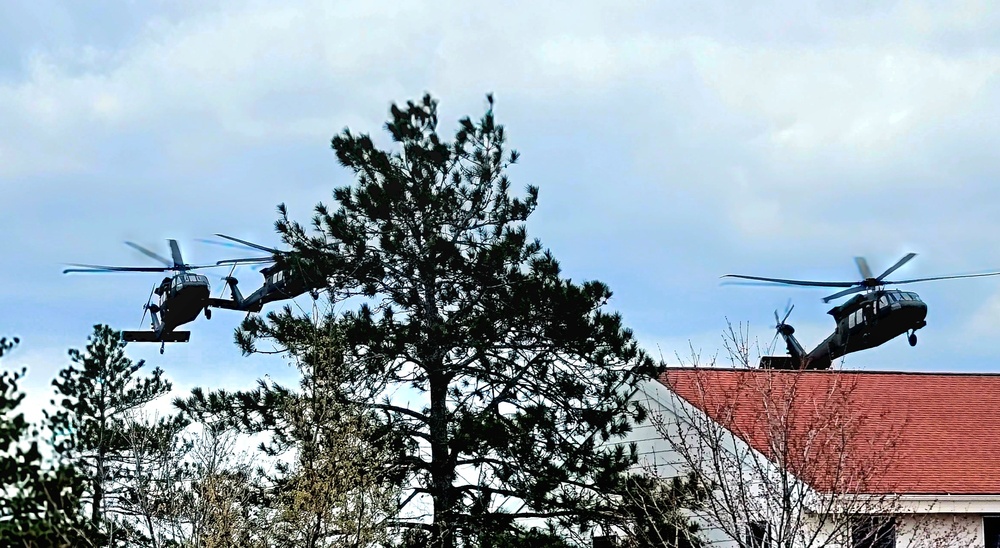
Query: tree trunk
{"points": [[442, 472], [95, 511]]}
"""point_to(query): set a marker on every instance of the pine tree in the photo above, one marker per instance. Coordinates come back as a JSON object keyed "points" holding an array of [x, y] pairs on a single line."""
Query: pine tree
{"points": [[334, 479], [40, 505], [654, 514], [511, 380], [100, 398]]}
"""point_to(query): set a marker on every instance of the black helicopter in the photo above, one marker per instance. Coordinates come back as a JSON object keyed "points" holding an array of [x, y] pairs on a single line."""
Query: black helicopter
{"points": [[864, 321], [282, 280], [181, 297]]}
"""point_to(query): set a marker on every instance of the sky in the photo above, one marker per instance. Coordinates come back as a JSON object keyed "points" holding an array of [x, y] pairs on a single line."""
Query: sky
{"points": [[672, 143]]}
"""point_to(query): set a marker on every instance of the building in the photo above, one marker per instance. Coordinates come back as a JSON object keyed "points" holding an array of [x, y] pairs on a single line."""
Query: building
{"points": [[832, 458]]}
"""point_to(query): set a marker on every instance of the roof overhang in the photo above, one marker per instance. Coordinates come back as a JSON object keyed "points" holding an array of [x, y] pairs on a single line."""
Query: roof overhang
{"points": [[898, 504]]}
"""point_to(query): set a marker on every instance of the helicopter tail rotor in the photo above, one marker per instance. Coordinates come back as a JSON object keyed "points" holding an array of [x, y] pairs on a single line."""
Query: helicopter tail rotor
{"points": [[146, 306], [780, 327]]}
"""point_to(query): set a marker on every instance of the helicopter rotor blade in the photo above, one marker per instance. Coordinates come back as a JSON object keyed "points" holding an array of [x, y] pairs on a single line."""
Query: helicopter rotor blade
{"points": [[862, 263], [102, 268], [792, 282], [855, 289], [149, 253], [248, 260], [229, 245], [249, 244], [943, 278], [175, 253], [906, 258]]}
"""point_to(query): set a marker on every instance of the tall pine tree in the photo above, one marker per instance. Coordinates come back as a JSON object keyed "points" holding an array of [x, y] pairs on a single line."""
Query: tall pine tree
{"points": [[512, 380]]}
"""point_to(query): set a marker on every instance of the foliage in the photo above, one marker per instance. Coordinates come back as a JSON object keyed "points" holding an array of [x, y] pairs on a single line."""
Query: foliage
{"points": [[657, 511], [99, 396], [334, 482], [218, 497], [461, 332], [525, 538], [40, 502]]}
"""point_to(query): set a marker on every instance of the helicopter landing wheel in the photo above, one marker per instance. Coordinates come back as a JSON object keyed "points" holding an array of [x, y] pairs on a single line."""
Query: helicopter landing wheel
{"points": [[912, 339], [208, 313], [161, 347]]}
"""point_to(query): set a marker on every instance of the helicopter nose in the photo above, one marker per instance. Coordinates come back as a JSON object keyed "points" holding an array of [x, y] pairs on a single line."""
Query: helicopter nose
{"points": [[917, 310]]}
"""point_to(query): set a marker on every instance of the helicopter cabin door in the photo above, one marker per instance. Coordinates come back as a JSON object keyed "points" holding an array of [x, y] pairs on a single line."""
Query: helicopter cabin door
{"points": [[868, 312]]}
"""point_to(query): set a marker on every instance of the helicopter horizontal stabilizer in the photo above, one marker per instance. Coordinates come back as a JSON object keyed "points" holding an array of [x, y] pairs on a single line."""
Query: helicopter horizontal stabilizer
{"points": [[150, 336], [778, 362], [230, 304]]}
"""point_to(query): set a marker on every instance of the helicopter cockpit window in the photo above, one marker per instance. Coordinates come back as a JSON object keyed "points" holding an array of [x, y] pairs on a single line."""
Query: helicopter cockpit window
{"points": [[883, 302]]}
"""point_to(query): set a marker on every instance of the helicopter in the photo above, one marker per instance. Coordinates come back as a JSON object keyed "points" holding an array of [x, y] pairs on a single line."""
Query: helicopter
{"points": [[864, 321], [181, 297], [282, 280]]}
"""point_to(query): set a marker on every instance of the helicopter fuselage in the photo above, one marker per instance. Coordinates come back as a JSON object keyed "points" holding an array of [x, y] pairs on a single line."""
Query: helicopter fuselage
{"points": [[280, 283], [182, 298], [871, 317], [867, 321]]}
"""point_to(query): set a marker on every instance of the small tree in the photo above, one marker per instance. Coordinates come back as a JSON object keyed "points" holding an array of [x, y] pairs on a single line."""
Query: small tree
{"points": [[333, 479], [96, 397], [39, 503], [215, 499], [656, 511], [508, 378], [154, 470]]}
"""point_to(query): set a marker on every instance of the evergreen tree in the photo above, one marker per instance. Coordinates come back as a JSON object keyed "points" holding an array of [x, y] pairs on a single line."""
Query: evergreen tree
{"points": [[511, 380], [40, 506], [653, 511], [334, 481], [100, 398]]}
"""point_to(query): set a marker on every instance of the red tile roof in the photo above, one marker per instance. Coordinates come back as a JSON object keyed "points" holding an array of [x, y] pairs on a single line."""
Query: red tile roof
{"points": [[914, 433]]}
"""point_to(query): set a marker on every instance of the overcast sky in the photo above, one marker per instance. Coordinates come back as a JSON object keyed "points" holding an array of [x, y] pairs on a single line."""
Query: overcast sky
{"points": [[672, 142]]}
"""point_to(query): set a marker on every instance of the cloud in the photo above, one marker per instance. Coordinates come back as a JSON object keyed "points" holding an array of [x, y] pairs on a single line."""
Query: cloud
{"points": [[672, 143]]}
